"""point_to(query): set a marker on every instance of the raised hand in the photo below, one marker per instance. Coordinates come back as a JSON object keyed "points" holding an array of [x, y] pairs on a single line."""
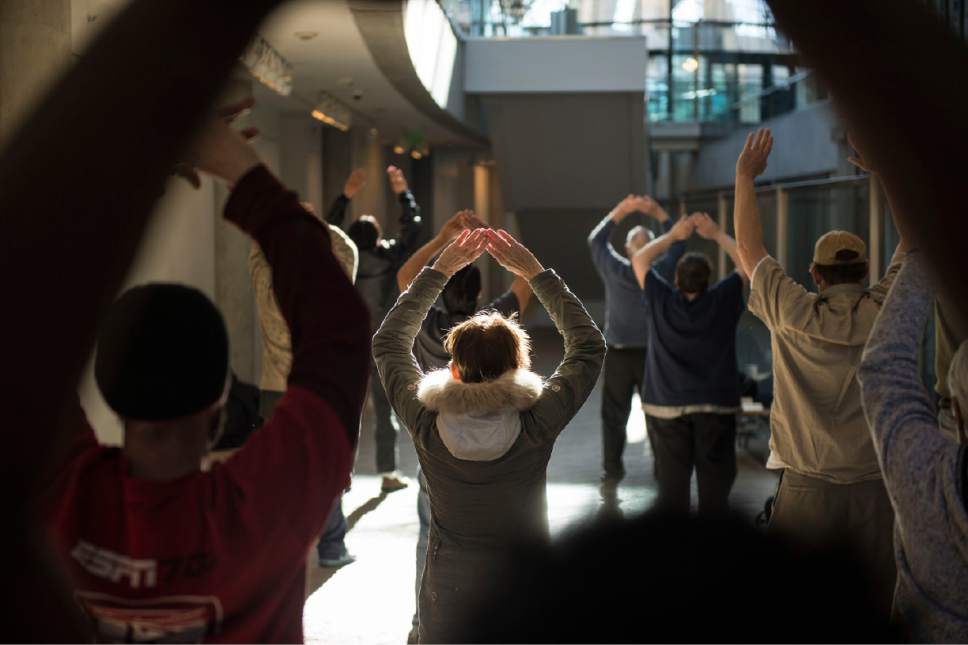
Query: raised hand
{"points": [[858, 159], [512, 255], [706, 226], [468, 246], [472, 221], [653, 208], [625, 208], [453, 227], [354, 183], [682, 229], [397, 181], [752, 160], [220, 150]]}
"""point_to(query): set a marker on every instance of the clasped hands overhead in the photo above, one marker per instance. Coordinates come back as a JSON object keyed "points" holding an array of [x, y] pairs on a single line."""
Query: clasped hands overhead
{"points": [[471, 243]]}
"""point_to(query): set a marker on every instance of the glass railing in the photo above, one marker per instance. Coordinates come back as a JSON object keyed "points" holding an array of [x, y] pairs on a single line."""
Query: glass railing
{"points": [[795, 214], [704, 68]]}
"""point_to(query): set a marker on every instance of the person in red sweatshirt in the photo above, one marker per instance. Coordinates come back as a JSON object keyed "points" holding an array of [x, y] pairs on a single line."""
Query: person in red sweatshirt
{"points": [[159, 550]]}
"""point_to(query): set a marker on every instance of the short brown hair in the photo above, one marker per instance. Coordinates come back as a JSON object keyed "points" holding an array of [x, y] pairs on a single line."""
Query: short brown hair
{"points": [[693, 273], [487, 345]]}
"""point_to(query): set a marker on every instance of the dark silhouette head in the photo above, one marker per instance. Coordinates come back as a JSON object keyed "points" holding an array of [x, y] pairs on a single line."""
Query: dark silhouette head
{"points": [[365, 232], [462, 291]]}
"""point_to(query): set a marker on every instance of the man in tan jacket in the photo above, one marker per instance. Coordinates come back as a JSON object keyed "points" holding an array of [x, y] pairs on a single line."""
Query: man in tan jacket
{"points": [[831, 488], [277, 359]]}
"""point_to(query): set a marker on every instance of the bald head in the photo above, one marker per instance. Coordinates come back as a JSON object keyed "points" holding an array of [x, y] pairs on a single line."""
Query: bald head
{"points": [[638, 236]]}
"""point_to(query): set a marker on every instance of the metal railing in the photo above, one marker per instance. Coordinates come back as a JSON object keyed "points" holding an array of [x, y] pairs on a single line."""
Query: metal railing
{"points": [[794, 214]]}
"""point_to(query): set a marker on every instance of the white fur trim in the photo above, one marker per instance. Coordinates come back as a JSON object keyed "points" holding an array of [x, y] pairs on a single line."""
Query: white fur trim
{"points": [[515, 390]]}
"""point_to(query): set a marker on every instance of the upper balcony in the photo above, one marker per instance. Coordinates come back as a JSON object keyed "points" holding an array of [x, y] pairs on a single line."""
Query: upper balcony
{"points": [[709, 61]]}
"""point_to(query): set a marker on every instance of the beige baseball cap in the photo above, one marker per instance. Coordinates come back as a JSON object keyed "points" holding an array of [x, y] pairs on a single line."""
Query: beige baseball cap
{"points": [[832, 243]]}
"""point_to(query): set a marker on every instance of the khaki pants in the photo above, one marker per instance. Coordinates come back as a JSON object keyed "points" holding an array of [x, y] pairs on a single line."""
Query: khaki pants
{"points": [[817, 512]]}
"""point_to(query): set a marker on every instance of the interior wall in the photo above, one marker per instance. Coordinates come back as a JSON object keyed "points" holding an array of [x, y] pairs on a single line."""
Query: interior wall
{"points": [[564, 160], [35, 44]]}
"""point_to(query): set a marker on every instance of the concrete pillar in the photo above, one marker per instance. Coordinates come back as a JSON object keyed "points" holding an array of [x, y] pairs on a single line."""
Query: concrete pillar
{"points": [[35, 44]]}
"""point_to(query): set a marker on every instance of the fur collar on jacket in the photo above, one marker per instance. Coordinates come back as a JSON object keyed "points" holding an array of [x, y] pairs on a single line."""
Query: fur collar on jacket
{"points": [[514, 390]]}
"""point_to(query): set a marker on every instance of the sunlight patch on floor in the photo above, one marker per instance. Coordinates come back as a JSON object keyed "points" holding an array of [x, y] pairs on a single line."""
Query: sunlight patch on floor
{"points": [[635, 428], [372, 600]]}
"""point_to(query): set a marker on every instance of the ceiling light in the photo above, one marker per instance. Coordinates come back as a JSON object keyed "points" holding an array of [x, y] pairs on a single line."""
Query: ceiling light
{"points": [[306, 35], [332, 112], [416, 154], [398, 149], [691, 64], [268, 66]]}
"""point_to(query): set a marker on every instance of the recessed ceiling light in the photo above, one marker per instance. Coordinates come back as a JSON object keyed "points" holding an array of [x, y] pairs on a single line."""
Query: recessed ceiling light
{"points": [[306, 35]]}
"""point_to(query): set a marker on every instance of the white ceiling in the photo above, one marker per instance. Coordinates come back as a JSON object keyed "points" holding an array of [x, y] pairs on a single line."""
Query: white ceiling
{"points": [[338, 62]]}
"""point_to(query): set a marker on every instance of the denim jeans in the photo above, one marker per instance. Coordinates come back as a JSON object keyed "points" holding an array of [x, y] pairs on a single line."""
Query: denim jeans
{"points": [[331, 545]]}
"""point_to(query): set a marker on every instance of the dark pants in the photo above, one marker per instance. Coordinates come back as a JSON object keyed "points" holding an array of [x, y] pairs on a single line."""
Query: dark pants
{"points": [[423, 537], [706, 442], [818, 513], [624, 371], [386, 426], [330, 545]]}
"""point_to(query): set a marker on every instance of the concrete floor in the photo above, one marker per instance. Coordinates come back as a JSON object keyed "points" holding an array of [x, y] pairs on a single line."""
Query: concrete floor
{"points": [[372, 600]]}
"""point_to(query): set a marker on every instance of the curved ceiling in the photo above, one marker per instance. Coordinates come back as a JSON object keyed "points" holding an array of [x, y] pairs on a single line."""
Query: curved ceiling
{"points": [[321, 40]]}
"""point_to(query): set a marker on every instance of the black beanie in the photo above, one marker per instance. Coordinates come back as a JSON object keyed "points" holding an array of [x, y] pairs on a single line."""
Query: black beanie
{"points": [[162, 353], [461, 291]]}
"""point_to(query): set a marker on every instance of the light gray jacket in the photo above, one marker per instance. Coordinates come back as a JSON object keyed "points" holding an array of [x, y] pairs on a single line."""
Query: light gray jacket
{"points": [[924, 471]]}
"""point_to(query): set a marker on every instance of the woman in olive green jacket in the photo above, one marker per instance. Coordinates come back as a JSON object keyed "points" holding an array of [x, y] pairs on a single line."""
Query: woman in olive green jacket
{"points": [[484, 428]]}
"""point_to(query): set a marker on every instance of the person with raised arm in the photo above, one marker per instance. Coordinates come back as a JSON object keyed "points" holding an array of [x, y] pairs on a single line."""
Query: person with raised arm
{"points": [[153, 544], [379, 260], [819, 436], [924, 468], [277, 352], [691, 395], [484, 427], [73, 247], [460, 299], [625, 323]]}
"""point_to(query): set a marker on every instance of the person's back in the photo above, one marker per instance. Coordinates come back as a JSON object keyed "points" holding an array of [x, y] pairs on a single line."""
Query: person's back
{"points": [[691, 394], [485, 427], [693, 351], [819, 437], [159, 550], [817, 340]]}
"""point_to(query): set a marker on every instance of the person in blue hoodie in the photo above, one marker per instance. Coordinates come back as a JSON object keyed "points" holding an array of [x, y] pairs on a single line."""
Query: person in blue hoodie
{"points": [[625, 323]]}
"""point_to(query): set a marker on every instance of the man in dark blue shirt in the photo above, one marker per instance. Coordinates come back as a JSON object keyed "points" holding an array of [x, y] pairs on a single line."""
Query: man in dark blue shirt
{"points": [[625, 324], [692, 386]]}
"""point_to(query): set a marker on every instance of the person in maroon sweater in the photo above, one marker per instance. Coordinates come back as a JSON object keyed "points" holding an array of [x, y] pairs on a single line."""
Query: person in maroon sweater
{"points": [[159, 550], [106, 135]]}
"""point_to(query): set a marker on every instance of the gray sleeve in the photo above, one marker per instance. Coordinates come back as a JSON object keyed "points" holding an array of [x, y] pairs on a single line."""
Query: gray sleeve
{"points": [[880, 290], [393, 348], [921, 466], [565, 392]]}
